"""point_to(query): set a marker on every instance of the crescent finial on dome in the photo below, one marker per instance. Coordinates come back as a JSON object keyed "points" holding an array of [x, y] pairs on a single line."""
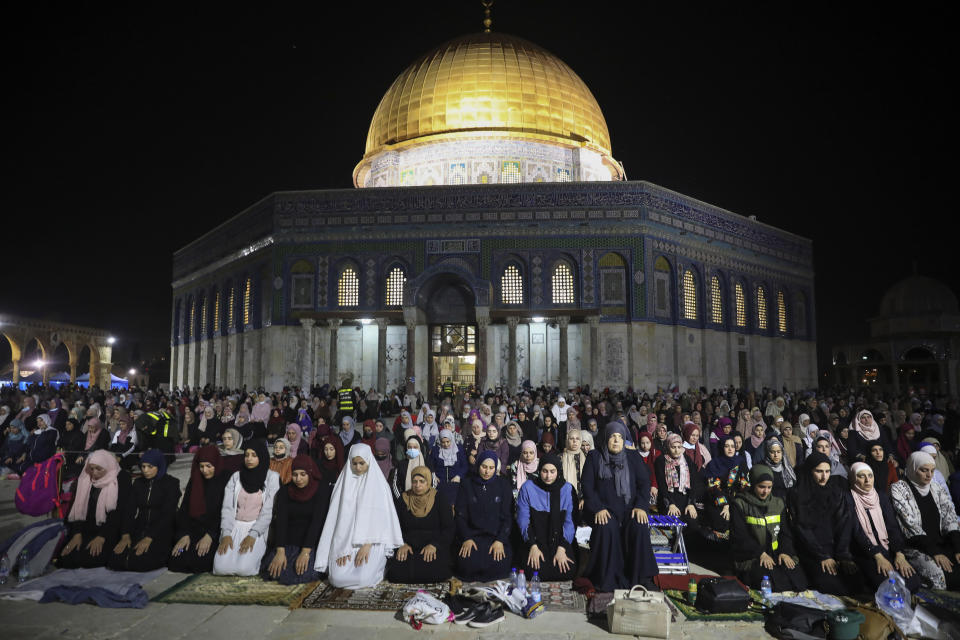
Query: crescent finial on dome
{"points": [[487, 20]]}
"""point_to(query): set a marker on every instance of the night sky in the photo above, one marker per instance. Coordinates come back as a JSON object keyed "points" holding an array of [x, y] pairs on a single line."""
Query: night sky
{"points": [[133, 133]]}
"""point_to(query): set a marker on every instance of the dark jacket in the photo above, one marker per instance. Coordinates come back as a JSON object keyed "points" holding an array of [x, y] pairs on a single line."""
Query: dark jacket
{"points": [[600, 493], [152, 510], [860, 544]]}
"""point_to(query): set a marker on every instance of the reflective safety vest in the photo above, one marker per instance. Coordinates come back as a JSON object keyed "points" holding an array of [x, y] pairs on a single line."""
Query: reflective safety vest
{"points": [[345, 401], [161, 424], [448, 387], [762, 522]]}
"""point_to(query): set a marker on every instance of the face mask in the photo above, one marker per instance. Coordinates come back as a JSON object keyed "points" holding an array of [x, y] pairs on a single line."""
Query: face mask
{"points": [[413, 453], [279, 455]]}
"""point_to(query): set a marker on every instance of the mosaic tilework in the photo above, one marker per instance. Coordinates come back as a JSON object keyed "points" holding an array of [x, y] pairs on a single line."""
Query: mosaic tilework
{"points": [[536, 272], [323, 266], [588, 278]]}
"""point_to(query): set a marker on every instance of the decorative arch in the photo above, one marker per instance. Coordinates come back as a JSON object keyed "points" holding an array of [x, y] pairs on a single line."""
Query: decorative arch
{"points": [[691, 286], [348, 284], [662, 287], [481, 288], [782, 324], [613, 279], [395, 276], [512, 281], [563, 279], [761, 293], [740, 304], [716, 298], [302, 277]]}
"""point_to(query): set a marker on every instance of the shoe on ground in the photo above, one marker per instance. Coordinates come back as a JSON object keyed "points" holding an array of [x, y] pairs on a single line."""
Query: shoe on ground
{"points": [[487, 616], [469, 612], [457, 604]]}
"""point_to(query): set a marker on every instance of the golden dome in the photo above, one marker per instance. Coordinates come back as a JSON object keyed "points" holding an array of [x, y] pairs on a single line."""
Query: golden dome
{"points": [[489, 82]]}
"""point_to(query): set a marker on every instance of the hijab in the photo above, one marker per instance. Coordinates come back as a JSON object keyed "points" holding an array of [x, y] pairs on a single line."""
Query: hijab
{"points": [[570, 458], [346, 435], [156, 458], [676, 470], [699, 457], [526, 468], [789, 445], [198, 484], [721, 465], [815, 502], [336, 464], [515, 440], [547, 438], [447, 456], [916, 460], [237, 443], [305, 463], [92, 428], [904, 444], [941, 462], [108, 485], [420, 506], [430, 429], [553, 490], [486, 455], [616, 466], [413, 463], [871, 432], [785, 470], [586, 436], [382, 446], [294, 435], [253, 480], [867, 505], [361, 512]]}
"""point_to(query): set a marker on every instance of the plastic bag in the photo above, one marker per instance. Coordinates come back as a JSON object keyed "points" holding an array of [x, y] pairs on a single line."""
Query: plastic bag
{"points": [[423, 607], [893, 598]]}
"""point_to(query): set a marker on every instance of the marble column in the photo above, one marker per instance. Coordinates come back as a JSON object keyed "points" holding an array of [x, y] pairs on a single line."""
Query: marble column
{"points": [[563, 322], [308, 359], [594, 322], [480, 368], [334, 324], [382, 324], [411, 356], [46, 375], [103, 375], [73, 372], [512, 323], [16, 371]]}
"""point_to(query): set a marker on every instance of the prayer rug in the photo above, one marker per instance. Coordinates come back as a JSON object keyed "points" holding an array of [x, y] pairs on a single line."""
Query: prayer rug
{"points": [[679, 599], [949, 600], [206, 588]]}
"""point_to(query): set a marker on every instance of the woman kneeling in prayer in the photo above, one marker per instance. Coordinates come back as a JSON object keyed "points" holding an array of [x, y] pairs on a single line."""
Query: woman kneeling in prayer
{"points": [[246, 513], [95, 519], [198, 519], [545, 516], [301, 512], [760, 536], [877, 542], [361, 529], [426, 519], [147, 533], [616, 490], [484, 522]]}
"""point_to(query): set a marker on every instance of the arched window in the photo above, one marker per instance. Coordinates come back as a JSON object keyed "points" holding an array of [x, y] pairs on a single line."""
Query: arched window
{"points": [[562, 284], [510, 171], [231, 318], [193, 316], [395, 282], [741, 305], [716, 302], [613, 281], [203, 317], [689, 295], [301, 282], [511, 286], [348, 288], [661, 291], [247, 292], [800, 315], [781, 312], [761, 308], [216, 313]]}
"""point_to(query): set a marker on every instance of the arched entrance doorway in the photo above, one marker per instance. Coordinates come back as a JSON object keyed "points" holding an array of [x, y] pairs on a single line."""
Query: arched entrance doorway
{"points": [[448, 303]]}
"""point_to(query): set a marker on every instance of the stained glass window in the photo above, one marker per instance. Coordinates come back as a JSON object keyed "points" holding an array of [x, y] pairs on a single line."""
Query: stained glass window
{"points": [[689, 295], [511, 286], [193, 315], [781, 312], [716, 303], [216, 313], [203, 317], [247, 291], [395, 282], [741, 306], [510, 171], [562, 284], [761, 308], [230, 316], [563, 175], [348, 288], [458, 173]]}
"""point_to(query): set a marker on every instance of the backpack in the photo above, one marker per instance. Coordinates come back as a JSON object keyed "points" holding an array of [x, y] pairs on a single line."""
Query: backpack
{"points": [[41, 541], [795, 622], [39, 490], [722, 595]]}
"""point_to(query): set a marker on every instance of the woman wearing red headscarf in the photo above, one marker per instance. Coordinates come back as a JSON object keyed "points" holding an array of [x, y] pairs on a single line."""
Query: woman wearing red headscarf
{"points": [[329, 456], [198, 519]]}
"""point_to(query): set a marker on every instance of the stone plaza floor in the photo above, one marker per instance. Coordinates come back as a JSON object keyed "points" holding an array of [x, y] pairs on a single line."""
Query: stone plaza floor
{"points": [[158, 621]]}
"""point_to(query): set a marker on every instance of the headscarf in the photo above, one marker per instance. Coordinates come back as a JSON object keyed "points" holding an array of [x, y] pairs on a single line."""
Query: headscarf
{"points": [[790, 445], [382, 446], [486, 455], [413, 463], [515, 440], [294, 435], [447, 456], [651, 423], [616, 466], [869, 433], [676, 470], [755, 440], [943, 464], [305, 463], [430, 429], [916, 460], [253, 480], [108, 485], [556, 514], [198, 501], [346, 435], [721, 465], [92, 428], [335, 465], [586, 436], [904, 444], [237, 443], [700, 456], [760, 473], [569, 460], [420, 506], [525, 468], [815, 502], [361, 512], [867, 503], [156, 458], [785, 470], [547, 438], [19, 435]]}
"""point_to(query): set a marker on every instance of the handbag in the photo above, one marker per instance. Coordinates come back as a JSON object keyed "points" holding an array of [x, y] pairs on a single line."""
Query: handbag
{"points": [[639, 612], [722, 595]]}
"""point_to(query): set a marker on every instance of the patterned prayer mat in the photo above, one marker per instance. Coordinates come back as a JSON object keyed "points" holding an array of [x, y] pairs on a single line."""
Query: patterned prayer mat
{"points": [[949, 600], [679, 599], [386, 596], [205, 588]]}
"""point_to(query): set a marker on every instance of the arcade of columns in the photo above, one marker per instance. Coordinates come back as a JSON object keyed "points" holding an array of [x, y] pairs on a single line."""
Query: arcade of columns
{"points": [[20, 331]]}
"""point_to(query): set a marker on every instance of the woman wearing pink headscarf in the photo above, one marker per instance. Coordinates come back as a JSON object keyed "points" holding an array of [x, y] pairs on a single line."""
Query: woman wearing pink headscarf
{"points": [[94, 521], [864, 433]]}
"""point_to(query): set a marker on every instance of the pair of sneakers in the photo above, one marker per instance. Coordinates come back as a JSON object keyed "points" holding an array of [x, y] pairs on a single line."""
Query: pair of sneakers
{"points": [[472, 613]]}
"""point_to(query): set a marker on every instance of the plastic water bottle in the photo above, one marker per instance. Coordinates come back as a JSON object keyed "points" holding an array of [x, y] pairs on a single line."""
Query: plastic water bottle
{"points": [[23, 562], [4, 569], [891, 598], [535, 587], [522, 581], [766, 588], [513, 577]]}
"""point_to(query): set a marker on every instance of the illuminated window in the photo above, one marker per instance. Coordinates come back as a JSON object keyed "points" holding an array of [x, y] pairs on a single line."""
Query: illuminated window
{"points": [[216, 313], [510, 171], [563, 175], [348, 288], [203, 317], [193, 315], [781, 312], [395, 282], [689, 295], [246, 301], [407, 178], [511, 286], [741, 306], [562, 284], [230, 316], [458, 173], [761, 308], [716, 304], [484, 178]]}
